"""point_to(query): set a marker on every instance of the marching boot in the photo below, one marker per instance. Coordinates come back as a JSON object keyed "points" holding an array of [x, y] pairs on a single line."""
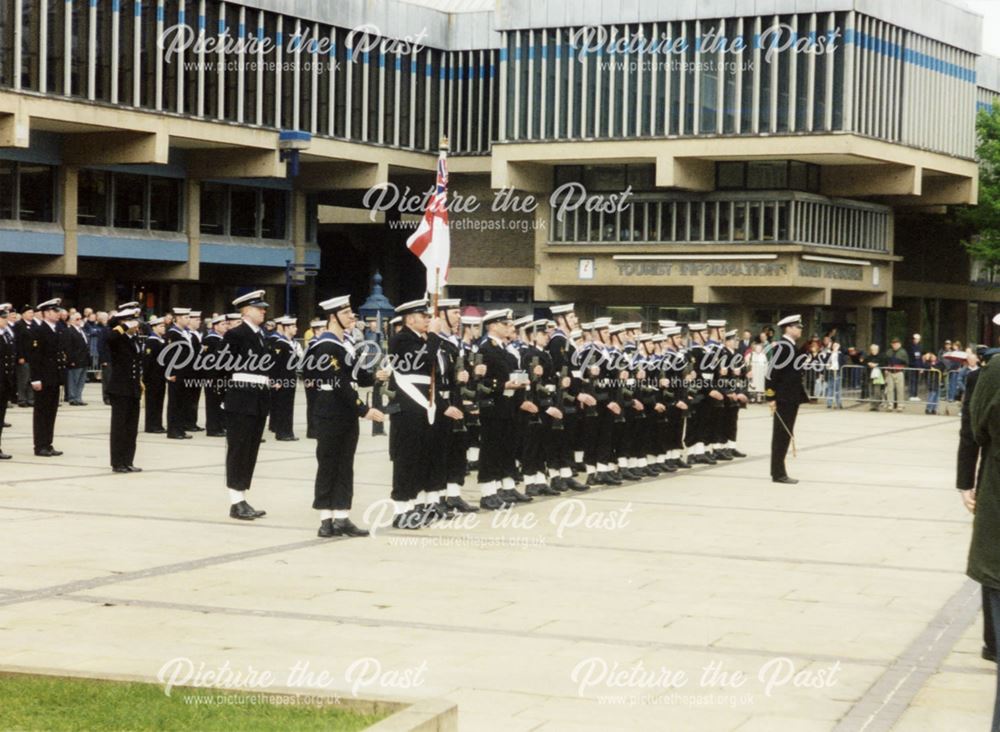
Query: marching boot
{"points": [[491, 503], [325, 529], [459, 504], [575, 485], [345, 527]]}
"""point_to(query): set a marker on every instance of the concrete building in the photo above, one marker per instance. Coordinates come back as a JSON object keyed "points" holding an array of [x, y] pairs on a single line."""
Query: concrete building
{"points": [[778, 154]]}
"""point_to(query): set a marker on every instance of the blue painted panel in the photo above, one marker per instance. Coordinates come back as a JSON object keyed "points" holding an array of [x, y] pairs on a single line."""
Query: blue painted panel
{"points": [[246, 254], [31, 242], [123, 247]]}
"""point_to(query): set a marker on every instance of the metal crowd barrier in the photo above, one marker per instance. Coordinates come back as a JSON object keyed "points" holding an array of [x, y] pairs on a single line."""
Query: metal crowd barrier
{"points": [[936, 390]]}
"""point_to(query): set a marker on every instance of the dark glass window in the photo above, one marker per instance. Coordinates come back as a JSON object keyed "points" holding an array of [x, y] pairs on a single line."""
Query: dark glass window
{"points": [[8, 180], [93, 196], [80, 41], [165, 204], [242, 211], [269, 72], [130, 201], [213, 208], [274, 206], [729, 176], [211, 106], [147, 58], [30, 39], [126, 53], [767, 174], [102, 77], [36, 187], [6, 43]]}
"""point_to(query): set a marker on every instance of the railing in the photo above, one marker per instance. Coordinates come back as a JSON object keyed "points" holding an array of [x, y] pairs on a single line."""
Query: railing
{"points": [[885, 388]]}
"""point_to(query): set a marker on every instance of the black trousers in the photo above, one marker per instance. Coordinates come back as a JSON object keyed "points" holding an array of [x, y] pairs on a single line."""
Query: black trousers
{"points": [[533, 445], [494, 441], [177, 409], [787, 411], [25, 394], [310, 400], [412, 438], [44, 417], [155, 391], [192, 401], [283, 411], [124, 428], [4, 397], [695, 430], [214, 416], [336, 443], [243, 433]]}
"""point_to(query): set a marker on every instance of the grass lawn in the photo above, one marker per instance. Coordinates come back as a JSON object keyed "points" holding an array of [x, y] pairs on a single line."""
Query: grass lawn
{"points": [[60, 704]]}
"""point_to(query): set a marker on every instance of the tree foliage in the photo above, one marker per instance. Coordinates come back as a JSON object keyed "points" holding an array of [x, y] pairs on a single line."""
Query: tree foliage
{"points": [[983, 220]]}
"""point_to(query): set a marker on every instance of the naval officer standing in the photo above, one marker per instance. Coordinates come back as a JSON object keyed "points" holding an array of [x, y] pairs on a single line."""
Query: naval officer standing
{"points": [[124, 388], [47, 361], [784, 392], [248, 399]]}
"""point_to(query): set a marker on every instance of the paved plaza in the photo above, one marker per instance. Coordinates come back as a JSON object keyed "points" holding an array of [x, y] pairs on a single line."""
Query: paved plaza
{"points": [[842, 600]]}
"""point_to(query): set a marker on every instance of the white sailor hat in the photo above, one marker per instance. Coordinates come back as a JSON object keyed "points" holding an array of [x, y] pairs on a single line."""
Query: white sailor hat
{"points": [[396, 321], [672, 330], [336, 303], [286, 320], [52, 304], [234, 316], [537, 325], [414, 306], [317, 323], [181, 311], [493, 316], [996, 319], [659, 338], [155, 320], [667, 323], [195, 313], [125, 305], [6, 306], [127, 313], [550, 324], [449, 303], [576, 334], [561, 309], [716, 323], [524, 321], [601, 323], [696, 327], [790, 320], [632, 326], [251, 299], [731, 333], [471, 320], [218, 319], [4, 312], [616, 328], [644, 337]]}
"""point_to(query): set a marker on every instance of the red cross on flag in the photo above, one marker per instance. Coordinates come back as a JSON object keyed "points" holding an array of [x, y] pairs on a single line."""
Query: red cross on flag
{"points": [[431, 241]]}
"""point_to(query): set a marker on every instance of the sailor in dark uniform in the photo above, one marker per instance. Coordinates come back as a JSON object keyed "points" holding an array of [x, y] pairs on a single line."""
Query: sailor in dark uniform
{"points": [[414, 351], [675, 369], [318, 327], [784, 391], [47, 360], [567, 442], [8, 368], [211, 345], [471, 329], [125, 388], [180, 350], [248, 399], [333, 371], [286, 355], [192, 382], [154, 376], [733, 372], [699, 417]]}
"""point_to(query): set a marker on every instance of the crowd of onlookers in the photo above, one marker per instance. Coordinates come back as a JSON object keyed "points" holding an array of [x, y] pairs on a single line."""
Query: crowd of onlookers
{"points": [[885, 378]]}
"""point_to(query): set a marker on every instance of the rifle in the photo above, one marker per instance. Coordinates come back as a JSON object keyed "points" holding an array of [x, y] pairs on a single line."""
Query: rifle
{"points": [[564, 401], [467, 391], [531, 394], [483, 394], [456, 393]]}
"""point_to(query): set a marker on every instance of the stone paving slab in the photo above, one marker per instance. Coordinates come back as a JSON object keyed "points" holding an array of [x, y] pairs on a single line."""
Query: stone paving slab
{"points": [[526, 622]]}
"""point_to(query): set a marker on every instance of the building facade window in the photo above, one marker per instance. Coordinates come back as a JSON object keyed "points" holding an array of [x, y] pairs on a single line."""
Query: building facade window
{"points": [[244, 212], [27, 191], [129, 201]]}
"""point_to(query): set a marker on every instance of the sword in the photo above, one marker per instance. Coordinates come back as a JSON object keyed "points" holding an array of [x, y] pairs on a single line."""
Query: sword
{"points": [[785, 427]]}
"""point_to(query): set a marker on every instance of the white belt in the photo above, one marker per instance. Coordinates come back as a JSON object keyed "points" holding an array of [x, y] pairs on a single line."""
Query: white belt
{"points": [[326, 387], [578, 374], [444, 394], [250, 378], [707, 374]]}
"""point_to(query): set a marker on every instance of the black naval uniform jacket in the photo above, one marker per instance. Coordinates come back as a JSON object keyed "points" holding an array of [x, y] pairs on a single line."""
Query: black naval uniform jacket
{"points": [[413, 357], [152, 370], [329, 368], [211, 344], [282, 361], [499, 364], [186, 355], [784, 375], [248, 391], [48, 355], [126, 363], [8, 367]]}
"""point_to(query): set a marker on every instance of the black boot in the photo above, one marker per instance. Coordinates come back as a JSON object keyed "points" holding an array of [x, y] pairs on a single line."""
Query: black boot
{"points": [[325, 529], [459, 504], [345, 527]]}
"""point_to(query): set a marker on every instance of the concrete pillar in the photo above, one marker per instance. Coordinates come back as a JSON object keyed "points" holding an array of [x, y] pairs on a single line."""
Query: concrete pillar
{"points": [[108, 302], [303, 296], [68, 180], [192, 201]]}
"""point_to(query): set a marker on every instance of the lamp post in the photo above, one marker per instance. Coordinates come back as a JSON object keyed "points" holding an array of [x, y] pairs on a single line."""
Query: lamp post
{"points": [[377, 306]]}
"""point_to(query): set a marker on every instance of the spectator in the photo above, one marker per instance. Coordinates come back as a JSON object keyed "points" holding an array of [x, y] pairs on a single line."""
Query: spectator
{"points": [[103, 355], [933, 382], [77, 360], [745, 343], [876, 378], [834, 374], [952, 367], [758, 372], [971, 366], [915, 352], [895, 361]]}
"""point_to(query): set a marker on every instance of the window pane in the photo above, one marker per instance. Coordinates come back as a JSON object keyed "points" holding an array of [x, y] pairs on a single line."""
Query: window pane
{"points": [[37, 189], [92, 197], [272, 219], [213, 208], [164, 204], [729, 175], [243, 212], [130, 201], [767, 175], [7, 171]]}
